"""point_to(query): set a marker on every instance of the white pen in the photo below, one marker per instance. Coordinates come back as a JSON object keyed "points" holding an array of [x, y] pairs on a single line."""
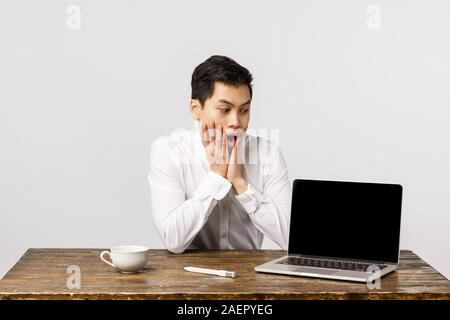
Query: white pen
{"points": [[220, 273]]}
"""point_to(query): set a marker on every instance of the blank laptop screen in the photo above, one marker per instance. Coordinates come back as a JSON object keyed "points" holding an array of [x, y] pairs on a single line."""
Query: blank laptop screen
{"points": [[346, 220]]}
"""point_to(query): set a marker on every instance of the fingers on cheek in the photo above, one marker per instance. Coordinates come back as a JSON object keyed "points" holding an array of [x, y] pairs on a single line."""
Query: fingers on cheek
{"points": [[205, 135]]}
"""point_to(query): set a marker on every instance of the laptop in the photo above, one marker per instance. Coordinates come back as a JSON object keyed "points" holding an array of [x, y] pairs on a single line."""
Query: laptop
{"points": [[342, 230]]}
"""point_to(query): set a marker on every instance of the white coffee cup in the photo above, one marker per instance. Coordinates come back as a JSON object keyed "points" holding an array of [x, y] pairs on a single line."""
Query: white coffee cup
{"points": [[127, 259]]}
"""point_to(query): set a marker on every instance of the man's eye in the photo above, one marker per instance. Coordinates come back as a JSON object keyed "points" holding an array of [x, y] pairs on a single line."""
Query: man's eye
{"points": [[244, 110], [225, 110]]}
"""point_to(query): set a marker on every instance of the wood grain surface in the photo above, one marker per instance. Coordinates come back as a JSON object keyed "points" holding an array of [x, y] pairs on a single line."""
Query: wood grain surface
{"points": [[42, 274]]}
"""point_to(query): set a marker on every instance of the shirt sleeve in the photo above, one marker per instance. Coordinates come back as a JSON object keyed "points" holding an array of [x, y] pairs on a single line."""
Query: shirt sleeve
{"points": [[177, 219], [269, 208]]}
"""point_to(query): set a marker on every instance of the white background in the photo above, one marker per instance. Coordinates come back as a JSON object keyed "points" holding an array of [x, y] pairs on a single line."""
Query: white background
{"points": [[79, 109]]}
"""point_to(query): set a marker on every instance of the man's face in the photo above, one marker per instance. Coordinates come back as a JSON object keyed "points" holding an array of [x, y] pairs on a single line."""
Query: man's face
{"points": [[229, 106]]}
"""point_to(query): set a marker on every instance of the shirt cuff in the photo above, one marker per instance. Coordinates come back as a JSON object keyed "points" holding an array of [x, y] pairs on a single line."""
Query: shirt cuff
{"points": [[251, 199], [213, 185]]}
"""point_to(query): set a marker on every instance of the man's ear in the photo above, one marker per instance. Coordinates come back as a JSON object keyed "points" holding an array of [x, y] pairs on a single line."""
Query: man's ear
{"points": [[195, 108]]}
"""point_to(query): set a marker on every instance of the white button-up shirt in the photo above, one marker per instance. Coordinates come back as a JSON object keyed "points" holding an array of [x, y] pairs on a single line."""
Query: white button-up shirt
{"points": [[196, 208]]}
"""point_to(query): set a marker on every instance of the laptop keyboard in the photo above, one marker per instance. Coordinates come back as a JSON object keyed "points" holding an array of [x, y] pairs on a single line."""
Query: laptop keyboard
{"points": [[328, 264]]}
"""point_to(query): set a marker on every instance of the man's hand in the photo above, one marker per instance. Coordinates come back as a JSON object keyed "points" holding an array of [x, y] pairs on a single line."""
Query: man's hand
{"points": [[234, 174], [215, 142]]}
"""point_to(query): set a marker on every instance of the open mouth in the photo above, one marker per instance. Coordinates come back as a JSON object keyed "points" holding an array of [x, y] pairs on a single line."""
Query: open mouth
{"points": [[231, 138], [233, 135]]}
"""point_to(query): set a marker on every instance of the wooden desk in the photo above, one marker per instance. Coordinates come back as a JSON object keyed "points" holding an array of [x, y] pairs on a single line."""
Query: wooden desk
{"points": [[41, 274]]}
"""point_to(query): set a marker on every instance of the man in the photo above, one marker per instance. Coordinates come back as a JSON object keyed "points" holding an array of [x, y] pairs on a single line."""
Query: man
{"points": [[204, 194]]}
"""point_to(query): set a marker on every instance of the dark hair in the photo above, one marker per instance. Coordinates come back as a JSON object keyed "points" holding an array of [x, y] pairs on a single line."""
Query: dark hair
{"points": [[218, 69]]}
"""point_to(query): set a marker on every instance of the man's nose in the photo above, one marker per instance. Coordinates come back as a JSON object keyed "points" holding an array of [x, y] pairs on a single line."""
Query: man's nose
{"points": [[233, 120]]}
